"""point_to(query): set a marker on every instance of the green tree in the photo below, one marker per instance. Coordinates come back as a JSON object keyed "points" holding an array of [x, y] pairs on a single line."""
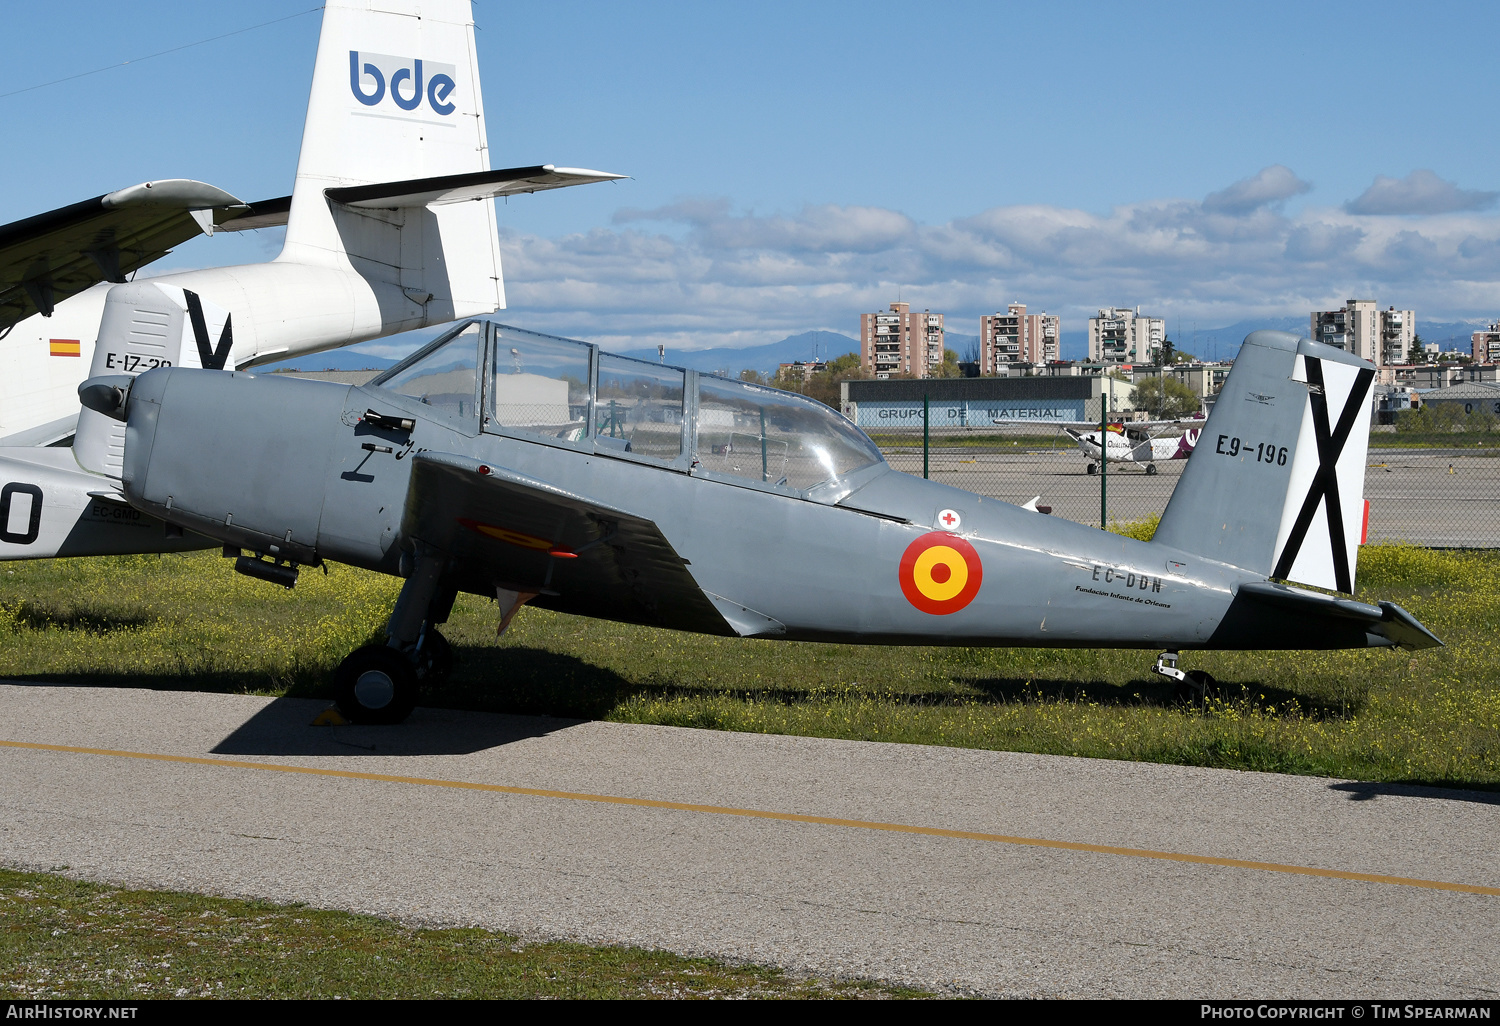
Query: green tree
{"points": [[949, 367], [824, 385], [1164, 398]]}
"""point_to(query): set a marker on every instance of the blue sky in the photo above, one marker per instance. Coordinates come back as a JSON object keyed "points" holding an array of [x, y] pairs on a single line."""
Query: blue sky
{"points": [[796, 163]]}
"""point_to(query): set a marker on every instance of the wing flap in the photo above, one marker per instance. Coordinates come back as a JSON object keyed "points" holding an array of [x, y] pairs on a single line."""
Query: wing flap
{"points": [[583, 556]]}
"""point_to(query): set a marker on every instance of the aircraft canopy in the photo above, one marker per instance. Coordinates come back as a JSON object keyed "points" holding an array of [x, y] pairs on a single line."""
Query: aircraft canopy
{"points": [[566, 393]]}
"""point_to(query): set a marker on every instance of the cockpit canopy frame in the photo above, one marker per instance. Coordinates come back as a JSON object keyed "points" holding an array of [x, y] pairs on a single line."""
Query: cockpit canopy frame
{"points": [[569, 394]]}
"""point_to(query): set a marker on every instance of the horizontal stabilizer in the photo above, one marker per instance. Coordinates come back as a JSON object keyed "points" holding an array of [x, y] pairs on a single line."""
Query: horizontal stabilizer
{"points": [[477, 185], [271, 213], [1386, 620], [581, 555]]}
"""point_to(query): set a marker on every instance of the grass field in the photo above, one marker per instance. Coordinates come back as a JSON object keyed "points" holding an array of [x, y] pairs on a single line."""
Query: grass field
{"points": [[61, 938], [188, 622]]}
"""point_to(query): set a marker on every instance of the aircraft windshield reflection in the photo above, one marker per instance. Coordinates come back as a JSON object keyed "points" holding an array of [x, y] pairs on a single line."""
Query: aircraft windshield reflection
{"points": [[557, 390]]}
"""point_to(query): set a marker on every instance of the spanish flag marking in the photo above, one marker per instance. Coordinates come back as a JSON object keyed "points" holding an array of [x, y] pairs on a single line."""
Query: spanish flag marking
{"points": [[505, 534], [940, 573], [66, 347]]}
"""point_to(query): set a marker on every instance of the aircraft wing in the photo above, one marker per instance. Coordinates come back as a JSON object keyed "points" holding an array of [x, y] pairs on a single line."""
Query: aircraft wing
{"points": [[47, 258], [583, 556]]}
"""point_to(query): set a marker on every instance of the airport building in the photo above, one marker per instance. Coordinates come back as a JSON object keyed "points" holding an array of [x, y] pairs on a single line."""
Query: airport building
{"points": [[1016, 337], [1362, 328], [979, 404], [1486, 344], [897, 341], [1122, 335], [1467, 397]]}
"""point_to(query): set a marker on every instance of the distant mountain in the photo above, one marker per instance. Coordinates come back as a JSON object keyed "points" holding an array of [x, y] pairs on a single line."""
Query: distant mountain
{"points": [[826, 344], [1223, 343], [333, 359], [1205, 343]]}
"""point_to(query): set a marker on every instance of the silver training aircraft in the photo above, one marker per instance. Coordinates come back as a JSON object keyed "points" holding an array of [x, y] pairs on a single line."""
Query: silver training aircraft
{"points": [[536, 469]]}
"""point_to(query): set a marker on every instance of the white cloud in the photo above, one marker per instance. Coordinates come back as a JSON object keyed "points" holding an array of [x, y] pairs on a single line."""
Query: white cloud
{"points": [[1421, 192], [734, 279], [1269, 186]]}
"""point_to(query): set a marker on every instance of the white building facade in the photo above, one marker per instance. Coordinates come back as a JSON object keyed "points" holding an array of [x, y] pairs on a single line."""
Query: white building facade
{"points": [[1362, 328], [1122, 335]]}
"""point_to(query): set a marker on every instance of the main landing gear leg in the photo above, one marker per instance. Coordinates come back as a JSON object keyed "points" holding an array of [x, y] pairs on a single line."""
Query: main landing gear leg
{"points": [[1192, 685], [378, 683]]}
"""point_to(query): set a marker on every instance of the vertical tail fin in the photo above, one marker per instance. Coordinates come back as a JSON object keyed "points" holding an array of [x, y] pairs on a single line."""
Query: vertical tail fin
{"points": [[1276, 481], [145, 325], [396, 97]]}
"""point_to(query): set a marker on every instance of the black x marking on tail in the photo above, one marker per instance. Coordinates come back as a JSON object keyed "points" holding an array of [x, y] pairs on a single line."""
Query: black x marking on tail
{"points": [[1325, 483], [208, 357]]}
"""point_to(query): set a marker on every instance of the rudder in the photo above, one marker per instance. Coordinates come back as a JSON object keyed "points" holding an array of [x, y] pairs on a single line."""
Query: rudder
{"points": [[1276, 482]]}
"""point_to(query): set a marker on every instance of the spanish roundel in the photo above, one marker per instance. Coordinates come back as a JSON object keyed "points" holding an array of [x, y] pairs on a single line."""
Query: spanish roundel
{"points": [[940, 573]]}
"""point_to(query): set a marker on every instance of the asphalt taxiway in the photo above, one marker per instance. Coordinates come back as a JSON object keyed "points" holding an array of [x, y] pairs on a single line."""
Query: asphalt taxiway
{"points": [[991, 872]]}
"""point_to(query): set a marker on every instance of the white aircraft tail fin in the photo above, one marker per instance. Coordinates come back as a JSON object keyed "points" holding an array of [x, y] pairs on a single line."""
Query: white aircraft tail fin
{"points": [[396, 98], [1276, 481], [145, 325]]}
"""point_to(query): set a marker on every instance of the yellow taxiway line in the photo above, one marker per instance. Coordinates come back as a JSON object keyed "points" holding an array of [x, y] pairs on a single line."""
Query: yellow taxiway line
{"points": [[786, 817]]}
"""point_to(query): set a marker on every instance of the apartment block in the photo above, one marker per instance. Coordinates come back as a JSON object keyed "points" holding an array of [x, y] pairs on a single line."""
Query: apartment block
{"points": [[1486, 344], [1016, 337], [897, 341], [1122, 335], [1362, 328]]}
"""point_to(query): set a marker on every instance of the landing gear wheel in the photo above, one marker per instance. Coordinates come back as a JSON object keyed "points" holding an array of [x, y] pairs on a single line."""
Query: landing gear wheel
{"points": [[375, 684], [1093, 469], [1150, 469], [438, 653], [1196, 688]]}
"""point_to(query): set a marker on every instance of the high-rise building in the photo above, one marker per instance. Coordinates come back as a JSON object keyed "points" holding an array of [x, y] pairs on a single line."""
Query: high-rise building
{"points": [[1016, 337], [1122, 335], [1362, 328], [898, 341], [1486, 344]]}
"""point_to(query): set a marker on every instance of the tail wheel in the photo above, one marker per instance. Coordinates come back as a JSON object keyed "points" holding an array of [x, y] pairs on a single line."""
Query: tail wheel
{"points": [[1196, 688], [375, 684]]}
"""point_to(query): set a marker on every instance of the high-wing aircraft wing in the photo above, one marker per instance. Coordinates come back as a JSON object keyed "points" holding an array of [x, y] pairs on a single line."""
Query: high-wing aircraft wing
{"points": [[505, 527], [46, 258]]}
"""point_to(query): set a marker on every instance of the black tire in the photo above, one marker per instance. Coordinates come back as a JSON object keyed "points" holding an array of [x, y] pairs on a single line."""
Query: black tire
{"points": [[1093, 469], [1150, 468], [438, 655], [375, 684], [1196, 689]]}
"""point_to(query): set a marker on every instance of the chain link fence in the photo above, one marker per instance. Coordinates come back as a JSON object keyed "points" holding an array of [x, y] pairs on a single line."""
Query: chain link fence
{"points": [[1440, 491]]}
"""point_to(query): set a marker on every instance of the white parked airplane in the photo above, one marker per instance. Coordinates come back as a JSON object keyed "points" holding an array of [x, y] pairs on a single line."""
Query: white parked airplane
{"points": [[389, 228], [1134, 443]]}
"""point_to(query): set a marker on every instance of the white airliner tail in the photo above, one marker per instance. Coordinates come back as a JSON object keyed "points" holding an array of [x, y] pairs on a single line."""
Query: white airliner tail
{"points": [[396, 99]]}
